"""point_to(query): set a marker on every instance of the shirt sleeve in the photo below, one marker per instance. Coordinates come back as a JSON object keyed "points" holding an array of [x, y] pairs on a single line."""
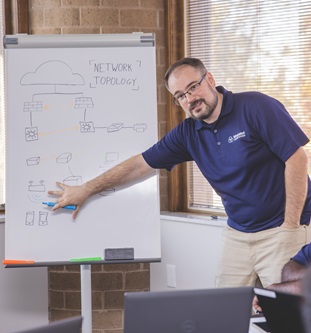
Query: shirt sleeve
{"points": [[303, 257], [277, 128], [170, 150]]}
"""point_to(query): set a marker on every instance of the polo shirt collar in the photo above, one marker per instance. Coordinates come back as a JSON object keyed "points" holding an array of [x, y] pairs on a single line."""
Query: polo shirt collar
{"points": [[226, 108]]}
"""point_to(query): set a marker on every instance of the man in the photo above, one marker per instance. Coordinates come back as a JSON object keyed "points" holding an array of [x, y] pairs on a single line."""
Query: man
{"points": [[293, 274], [250, 150]]}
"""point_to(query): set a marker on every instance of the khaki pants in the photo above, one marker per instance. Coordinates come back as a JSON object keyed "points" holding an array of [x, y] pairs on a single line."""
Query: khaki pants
{"points": [[249, 258]]}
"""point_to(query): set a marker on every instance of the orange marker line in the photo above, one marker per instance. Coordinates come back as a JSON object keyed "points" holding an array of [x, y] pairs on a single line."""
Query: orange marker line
{"points": [[17, 262]]}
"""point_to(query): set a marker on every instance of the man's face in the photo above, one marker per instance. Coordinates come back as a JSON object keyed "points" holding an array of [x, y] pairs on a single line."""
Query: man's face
{"points": [[198, 99]]}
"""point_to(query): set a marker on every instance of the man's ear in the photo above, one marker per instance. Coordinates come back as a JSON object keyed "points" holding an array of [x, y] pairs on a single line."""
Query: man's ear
{"points": [[210, 78]]}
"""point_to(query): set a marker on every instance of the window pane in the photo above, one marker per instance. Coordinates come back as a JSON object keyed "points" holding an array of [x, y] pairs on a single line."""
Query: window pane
{"points": [[261, 45]]}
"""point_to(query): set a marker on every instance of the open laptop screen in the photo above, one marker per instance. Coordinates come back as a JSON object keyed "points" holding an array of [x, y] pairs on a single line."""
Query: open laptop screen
{"points": [[70, 325], [283, 311], [220, 310]]}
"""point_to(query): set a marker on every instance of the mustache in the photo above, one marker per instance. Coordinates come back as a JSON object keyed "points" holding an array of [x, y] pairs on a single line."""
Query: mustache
{"points": [[195, 103]]}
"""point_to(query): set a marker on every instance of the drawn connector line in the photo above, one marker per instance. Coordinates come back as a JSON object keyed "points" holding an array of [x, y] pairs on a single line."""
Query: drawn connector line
{"points": [[83, 102], [33, 106]]}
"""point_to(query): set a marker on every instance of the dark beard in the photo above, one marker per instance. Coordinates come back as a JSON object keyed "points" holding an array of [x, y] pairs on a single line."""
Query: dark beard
{"points": [[210, 107]]}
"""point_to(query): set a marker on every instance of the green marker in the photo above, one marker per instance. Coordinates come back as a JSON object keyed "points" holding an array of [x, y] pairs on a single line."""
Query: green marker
{"points": [[86, 259]]}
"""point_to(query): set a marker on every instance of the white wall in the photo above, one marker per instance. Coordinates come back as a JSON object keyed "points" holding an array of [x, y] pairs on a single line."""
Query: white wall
{"points": [[23, 294], [190, 250]]}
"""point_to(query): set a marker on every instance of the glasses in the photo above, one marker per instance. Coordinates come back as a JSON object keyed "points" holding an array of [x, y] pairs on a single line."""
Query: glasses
{"points": [[194, 89]]}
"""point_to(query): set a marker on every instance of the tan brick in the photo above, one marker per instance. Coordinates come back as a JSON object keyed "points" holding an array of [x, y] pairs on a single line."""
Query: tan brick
{"points": [[120, 3], [137, 280], [152, 3], [72, 268], [107, 281], [99, 17], [121, 267], [97, 268], [110, 319], [61, 17], [97, 303], [138, 18], [73, 300], [117, 30], [56, 268], [45, 3], [58, 314], [37, 19], [81, 30], [56, 299], [64, 281], [146, 265], [45, 31], [80, 3], [113, 299]]}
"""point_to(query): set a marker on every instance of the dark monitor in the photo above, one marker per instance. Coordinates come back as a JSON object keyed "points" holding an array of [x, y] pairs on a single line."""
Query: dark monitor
{"points": [[70, 325], [223, 310]]}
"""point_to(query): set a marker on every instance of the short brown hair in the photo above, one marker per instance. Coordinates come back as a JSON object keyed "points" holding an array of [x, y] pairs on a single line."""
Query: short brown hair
{"points": [[193, 62]]}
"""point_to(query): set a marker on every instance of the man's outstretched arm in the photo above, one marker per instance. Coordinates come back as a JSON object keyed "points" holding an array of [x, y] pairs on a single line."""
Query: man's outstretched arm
{"points": [[128, 171]]}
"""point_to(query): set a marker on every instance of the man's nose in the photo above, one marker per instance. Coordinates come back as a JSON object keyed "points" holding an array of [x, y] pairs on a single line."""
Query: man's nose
{"points": [[190, 97]]}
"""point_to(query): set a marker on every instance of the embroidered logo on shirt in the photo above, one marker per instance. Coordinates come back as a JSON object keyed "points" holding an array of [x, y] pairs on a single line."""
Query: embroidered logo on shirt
{"points": [[236, 137]]}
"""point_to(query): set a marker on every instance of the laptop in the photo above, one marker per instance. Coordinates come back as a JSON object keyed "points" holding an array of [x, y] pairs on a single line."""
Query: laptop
{"points": [[70, 325], [282, 311], [221, 310]]}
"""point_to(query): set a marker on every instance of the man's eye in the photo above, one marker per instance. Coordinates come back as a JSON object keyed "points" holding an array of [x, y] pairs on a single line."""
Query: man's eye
{"points": [[194, 87], [181, 97]]}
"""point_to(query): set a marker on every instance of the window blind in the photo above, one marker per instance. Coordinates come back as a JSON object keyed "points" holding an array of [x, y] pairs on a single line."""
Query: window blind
{"points": [[261, 45]]}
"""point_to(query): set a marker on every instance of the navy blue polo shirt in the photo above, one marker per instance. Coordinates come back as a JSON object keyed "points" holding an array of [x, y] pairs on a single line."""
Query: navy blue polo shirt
{"points": [[303, 257], [242, 155]]}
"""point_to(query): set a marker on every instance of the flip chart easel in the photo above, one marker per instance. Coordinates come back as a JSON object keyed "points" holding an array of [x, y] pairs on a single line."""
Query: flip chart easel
{"points": [[86, 298], [85, 103]]}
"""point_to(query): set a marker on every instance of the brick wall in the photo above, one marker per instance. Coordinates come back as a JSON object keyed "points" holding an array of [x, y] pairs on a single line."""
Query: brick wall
{"points": [[96, 17]]}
